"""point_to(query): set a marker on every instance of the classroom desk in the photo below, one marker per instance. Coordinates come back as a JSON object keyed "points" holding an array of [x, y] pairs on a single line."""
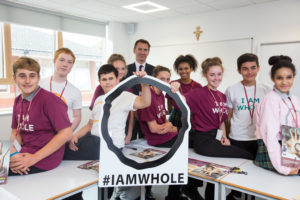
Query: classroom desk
{"points": [[58, 183], [231, 162], [262, 183]]}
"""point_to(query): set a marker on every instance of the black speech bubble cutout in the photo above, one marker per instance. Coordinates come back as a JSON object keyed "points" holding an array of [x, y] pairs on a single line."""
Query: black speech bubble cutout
{"points": [[124, 85]]}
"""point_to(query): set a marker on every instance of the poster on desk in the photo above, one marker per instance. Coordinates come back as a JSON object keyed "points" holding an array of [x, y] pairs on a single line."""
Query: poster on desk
{"points": [[138, 163], [4, 160], [290, 147], [206, 169]]}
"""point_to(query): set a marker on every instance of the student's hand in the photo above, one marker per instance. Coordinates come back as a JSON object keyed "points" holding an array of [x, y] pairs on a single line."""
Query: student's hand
{"points": [[127, 139], [22, 162], [167, 127], [225, 141], [175, 85], [21, 171], [73, 142], [294, 171], [12, 165], [140, 73]]}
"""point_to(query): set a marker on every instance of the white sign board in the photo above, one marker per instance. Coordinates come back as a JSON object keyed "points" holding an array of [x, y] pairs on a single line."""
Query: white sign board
{"points": [[122, 167]]}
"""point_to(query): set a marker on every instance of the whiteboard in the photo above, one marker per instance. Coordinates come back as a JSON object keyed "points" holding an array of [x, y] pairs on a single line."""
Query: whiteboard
{"points": [[291, 49], [227, 50]]}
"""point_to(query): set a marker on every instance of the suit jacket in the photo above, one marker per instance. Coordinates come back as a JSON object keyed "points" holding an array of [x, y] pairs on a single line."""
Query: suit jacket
{"points": [[132, 68]]}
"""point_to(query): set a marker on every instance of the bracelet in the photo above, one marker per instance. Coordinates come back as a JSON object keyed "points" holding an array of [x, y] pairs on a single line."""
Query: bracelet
{"points": [[14, 153]]}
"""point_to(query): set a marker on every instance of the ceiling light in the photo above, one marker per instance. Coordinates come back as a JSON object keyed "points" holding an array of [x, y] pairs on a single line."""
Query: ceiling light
{"points": [[146, 7]]}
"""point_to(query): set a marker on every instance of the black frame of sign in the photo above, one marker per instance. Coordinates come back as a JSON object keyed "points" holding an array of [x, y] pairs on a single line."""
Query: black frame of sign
{"points": [[126, 84]]}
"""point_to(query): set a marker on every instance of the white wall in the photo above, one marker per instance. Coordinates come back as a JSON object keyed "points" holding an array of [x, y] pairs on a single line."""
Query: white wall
{"points": [[269, 22], [5, 124], [118, 40]]}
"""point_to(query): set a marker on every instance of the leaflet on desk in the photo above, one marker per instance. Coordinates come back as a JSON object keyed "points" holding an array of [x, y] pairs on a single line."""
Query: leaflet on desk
{"points": [[207, 169], [290, 148], [4, 160]]}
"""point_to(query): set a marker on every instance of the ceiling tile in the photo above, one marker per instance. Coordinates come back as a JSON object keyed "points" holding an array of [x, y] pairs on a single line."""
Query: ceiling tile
{"points": [[193, 9], [165, 14], [227, 4], [137, 18], [262, 1]]}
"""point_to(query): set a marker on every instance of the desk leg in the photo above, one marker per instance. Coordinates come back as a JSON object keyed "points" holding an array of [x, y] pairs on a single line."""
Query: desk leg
{"points": [[223, 192], [105, 193], [143, 191], [217, 191], [102, 193]]}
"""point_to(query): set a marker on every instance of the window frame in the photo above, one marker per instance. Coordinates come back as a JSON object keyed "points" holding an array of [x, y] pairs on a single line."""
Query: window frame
{"points": [[7, 56]]}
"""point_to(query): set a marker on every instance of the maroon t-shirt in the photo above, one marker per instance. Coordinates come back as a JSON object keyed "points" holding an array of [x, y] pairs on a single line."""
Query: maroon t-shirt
{"points": [[205, 106], [47, 115], [184, 88], [156, 111], [98, 92]]}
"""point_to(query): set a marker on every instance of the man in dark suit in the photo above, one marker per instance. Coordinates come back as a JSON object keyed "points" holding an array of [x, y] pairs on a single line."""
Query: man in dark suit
{"points": [[141, 50]]}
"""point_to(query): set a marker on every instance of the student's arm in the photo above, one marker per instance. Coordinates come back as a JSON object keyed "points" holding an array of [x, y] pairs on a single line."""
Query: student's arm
{"points": [[13, 150], [228, 122], [229, 101], [175, 85], [144, 100], [79, 134], [169, 126], [27, 160], [224, 140], [130, 128], [156, 128], [170, 106], [76, 118], [269, 129]]}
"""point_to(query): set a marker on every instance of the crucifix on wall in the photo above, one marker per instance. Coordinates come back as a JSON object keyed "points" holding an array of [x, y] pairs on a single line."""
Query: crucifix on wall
{"points": [[198, 32]]}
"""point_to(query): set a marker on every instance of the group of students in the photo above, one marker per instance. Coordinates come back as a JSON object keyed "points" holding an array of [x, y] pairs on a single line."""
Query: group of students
{"points": [[245, 122]]}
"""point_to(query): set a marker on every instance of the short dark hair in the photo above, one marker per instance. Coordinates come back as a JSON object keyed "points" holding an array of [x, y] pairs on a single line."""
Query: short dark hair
{"points": [[158, 69], [281, 61], [190, 59], [106, 69], [142, 41], [246, 57]]}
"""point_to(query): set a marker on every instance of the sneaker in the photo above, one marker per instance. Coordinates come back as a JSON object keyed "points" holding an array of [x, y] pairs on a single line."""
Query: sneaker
{"points": [[191, 192]]}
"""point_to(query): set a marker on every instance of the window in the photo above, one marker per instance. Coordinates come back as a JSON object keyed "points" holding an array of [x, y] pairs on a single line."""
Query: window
{"points": [[89, 51], [38, 43], [5, 50], [32, 42], [6, 91]]}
